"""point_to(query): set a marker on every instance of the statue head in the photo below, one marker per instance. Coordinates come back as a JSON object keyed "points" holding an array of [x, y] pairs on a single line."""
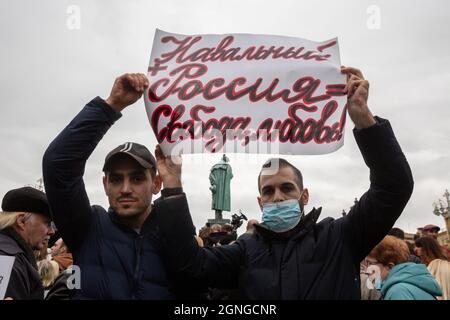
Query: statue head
{"points": [[225, 158]]}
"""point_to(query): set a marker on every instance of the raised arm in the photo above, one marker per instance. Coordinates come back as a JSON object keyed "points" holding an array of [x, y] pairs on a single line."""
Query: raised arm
{"points": [[218, 266], [391, 181], [65, 159]]}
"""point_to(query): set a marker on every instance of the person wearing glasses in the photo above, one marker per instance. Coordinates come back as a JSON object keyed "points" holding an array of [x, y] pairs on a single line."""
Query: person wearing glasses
{"points": [[25, 225]]}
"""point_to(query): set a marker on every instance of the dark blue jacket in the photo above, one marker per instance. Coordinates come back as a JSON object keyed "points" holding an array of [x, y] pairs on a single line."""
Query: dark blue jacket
{"points": [[316, 260], [115, 262]]}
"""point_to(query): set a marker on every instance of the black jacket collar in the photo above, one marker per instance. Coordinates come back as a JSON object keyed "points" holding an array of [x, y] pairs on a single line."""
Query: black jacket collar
{"points": [[145, 226], [18, 245]]}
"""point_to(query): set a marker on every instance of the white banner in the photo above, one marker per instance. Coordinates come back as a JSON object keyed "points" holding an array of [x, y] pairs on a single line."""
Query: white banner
{"points": [[6, 265], [244, 93]]}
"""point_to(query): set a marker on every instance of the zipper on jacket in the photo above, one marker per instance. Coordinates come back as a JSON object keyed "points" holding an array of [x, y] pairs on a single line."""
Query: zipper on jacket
{"points": [[138, 249]]}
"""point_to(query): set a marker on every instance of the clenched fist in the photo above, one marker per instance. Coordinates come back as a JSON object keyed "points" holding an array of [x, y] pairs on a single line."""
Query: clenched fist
{"points": [[357, 95], [169, 168], [127, 89]]}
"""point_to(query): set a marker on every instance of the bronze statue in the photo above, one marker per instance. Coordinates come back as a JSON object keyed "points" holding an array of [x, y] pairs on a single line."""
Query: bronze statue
{"points": [[220, 178]]}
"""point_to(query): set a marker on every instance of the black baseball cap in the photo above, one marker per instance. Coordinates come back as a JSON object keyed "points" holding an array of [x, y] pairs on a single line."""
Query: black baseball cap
{"points": [[26, 199], [137, 151]]}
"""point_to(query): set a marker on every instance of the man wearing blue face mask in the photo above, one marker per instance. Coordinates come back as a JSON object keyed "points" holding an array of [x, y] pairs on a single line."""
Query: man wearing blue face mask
{"points": [[279, 212], [291, 255]]}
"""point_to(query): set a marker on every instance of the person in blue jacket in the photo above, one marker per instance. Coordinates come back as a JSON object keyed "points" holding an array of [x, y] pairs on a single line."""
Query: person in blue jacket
{"points": [[397, 278], [118, 252]]}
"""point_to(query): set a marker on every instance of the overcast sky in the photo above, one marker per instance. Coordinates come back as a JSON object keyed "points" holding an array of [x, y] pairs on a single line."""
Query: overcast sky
{"points": [[49, 72]]}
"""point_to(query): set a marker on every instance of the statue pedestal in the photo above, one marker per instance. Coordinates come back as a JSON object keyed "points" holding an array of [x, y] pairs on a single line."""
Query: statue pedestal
{"points": [[219, 221]]}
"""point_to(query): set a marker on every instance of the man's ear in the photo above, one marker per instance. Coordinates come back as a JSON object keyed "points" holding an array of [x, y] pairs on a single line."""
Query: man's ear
{"points": [[20, 221], [260, 203], [305, 197], [157, 183], [105, 184]]}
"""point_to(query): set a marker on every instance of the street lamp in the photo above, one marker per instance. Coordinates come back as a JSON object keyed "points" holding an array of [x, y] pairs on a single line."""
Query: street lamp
{"points": [[442, 210]]}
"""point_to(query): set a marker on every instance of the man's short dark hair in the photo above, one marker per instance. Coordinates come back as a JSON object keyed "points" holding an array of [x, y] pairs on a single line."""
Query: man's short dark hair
{"points": [[282, 163], [398, 233]]}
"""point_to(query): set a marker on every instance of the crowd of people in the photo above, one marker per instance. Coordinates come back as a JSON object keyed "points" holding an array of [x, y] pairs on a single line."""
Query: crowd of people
{"points": [[397, 269], [144, 249]]}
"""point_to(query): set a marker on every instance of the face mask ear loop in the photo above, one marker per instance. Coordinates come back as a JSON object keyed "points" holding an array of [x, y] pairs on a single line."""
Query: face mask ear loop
{"points": [[301, 205]]}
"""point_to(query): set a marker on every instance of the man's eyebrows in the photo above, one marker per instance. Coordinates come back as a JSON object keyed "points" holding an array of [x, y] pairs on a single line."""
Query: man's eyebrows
{"points": [[266, 188], [137, 172], [282, 185], [132, 173], [115, 174]]}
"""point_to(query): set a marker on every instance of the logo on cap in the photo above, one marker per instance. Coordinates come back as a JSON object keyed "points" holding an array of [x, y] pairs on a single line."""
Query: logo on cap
{"points": [[135, 150]]}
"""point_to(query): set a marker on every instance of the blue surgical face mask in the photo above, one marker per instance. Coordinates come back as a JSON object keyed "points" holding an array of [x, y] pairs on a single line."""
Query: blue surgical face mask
{"points": [[281, 216], [378, 283]]}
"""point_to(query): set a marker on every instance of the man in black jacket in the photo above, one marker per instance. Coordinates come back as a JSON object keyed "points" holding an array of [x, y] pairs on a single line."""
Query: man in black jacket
{"points": [[291, 255], [25, 225], [118, 252]]}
